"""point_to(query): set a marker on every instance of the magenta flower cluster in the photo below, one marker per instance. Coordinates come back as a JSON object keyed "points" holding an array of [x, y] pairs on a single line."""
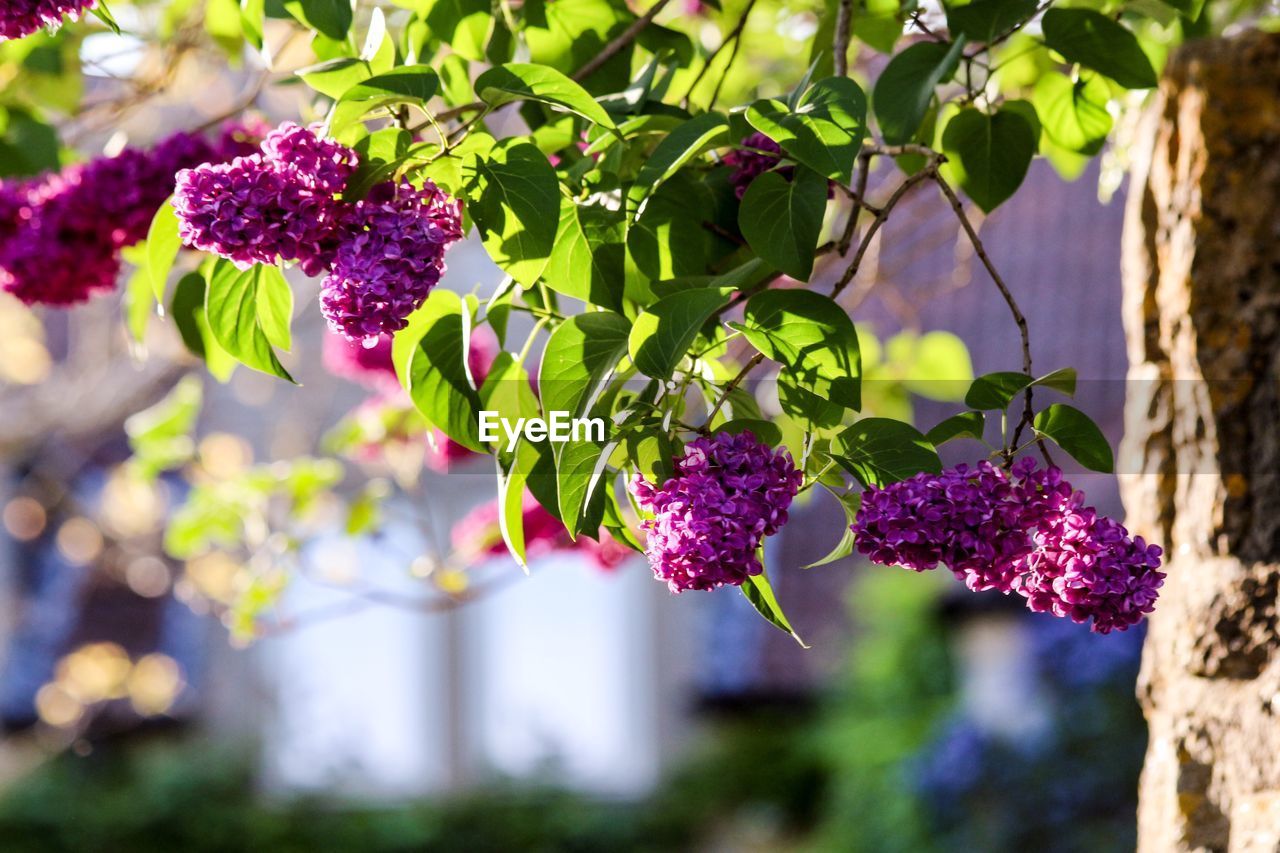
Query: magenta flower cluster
{"points": [[1025, 531], [727, 494], [61, 233], [277, 204], [390, 254], [382, 255], [19, 18]]}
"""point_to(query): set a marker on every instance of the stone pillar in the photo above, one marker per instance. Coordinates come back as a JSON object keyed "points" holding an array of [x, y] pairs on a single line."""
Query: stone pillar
{"points": [[1200, 464]]}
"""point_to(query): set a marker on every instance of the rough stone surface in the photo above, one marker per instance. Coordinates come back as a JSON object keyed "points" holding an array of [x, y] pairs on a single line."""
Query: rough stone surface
{"points": [[1201, 458]]}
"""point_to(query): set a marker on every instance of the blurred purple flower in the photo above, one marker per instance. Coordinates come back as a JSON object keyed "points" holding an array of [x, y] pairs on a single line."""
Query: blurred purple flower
{"points": [[20, 18]]}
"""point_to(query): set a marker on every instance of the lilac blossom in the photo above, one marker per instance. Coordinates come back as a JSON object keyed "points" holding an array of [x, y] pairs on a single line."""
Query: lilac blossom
{"points": [[389, 256], [727, 494], [1025, 531]]}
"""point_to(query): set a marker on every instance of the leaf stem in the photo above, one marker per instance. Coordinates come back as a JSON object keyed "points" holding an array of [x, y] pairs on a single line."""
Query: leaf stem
{"points": [[733, 383]]}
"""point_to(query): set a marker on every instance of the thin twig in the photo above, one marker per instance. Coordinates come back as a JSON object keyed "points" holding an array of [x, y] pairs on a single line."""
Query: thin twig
{"points": [[1011, 31], [734, 383], [852, 270], [734, 35], [614, 47], [1019, 318], [859, 197], [919, 24], [844, 28]]}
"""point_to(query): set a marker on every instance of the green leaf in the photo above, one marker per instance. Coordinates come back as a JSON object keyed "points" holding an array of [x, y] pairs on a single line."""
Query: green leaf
{"points": [[759, 592], [580, 357], [879, 451], [410, 84], [824, 133], [1097, 42], [580, 469], [566, 34], [989, 154], [430, 359], [1073, 431], [1063, 380], [102, 13], [849, 502], [663, 332], [781, 219], [1190, 9], [904, 89], [187, 309], [813, 339], [379, 50], [677, 148], [984, 20], [588, 259], [515, 201], [235, 307], [252, 13], [506, 390], [464, 25], [995, 391], [138, 301], [521, 81], [1074, 114], [668, 239], [511, 513], [275, 309], [335, 77], [381, 153], [650, 453], [963, 425], [163, 244], [331, 18]]}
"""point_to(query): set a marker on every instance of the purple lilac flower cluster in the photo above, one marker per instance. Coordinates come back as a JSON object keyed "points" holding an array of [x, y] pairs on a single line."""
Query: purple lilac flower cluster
{"points": [[61, 233], [727, 494], [274, 205], [382, 254], [19, 18], [390, 255], [1025, 531], [757, 155]]}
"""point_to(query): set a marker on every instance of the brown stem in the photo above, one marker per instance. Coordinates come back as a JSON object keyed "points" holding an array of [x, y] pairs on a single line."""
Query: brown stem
{"points": [[614, 47], [928, 171], [1019, 318], [734, 36], [844, 28], [733, 383], [859, 197]]}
